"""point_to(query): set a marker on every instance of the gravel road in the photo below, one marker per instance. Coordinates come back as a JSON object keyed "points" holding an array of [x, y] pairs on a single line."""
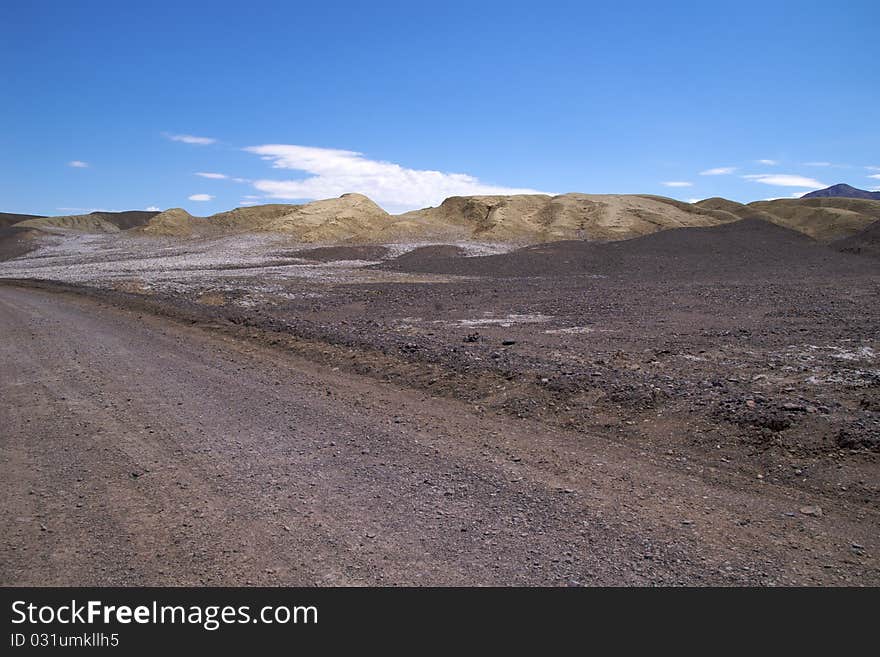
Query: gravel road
{"points": [[140, 451]]}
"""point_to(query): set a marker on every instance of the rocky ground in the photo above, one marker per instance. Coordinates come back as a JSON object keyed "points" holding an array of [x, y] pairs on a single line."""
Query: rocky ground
{"points": [[742, 357]]}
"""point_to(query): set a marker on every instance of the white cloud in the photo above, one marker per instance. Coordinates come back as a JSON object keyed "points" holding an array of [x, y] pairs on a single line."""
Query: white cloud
{"points": [[876, 176], [718, 171], [769, 163], [677, 183], [152, 208], [334, 172], [786, 180], [694, 200], [248, 202], [221, 176], [201, 197], [817, 164], [78, 164], [873, 168], [191, 139]]}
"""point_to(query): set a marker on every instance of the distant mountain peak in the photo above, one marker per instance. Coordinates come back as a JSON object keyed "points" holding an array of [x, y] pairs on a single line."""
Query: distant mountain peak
{"points": [[842, 190]]}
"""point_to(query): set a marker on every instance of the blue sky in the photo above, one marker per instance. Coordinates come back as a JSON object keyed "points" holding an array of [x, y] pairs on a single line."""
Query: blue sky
{"points": [[409, 102]]}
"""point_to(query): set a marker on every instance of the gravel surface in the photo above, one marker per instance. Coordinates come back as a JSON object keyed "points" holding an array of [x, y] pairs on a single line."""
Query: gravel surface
{"points": [[739, 364], [140, 451]]}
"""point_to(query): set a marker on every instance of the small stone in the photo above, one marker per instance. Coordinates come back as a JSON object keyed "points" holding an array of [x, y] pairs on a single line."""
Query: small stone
{"points": [[814, 511]]}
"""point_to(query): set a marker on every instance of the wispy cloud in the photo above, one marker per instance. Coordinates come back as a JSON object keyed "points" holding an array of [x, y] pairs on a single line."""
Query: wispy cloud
{"points": [[786, 180], [769, 163], [78, 164], [873, 168], [332, 172], [221, 176], [201, 197], [718, 171], [834, 165], [875, 176], [677, 183], [192, 139], [152, 208]]}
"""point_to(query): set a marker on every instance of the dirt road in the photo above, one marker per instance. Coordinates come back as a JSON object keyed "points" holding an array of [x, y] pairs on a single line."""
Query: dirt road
{"points": [[140, 451]]}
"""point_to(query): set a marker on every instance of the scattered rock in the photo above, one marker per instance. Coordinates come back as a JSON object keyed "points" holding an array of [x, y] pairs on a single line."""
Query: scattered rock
{"points": [[813, 511]]}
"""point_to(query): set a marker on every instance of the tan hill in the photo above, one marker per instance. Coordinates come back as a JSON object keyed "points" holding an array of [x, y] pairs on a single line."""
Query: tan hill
{"points": [[94, 222], [728, 252], [525, 218], [9, 218], [538, 218], [175, 222], [519, 218], [351, 217], [823, 219], [733, 209]]}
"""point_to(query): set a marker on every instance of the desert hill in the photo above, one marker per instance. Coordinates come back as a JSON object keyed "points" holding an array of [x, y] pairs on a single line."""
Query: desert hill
{"points": [[735, 210], [538, 218], [748, 246], [351, 217], [842, 190], [865, 242], [178, 222], [10, 218], [94, 222], [520, 218], [14, 240], [824, 219]]}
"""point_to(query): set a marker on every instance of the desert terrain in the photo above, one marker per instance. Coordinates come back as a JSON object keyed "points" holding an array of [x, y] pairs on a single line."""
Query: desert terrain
{"points": [[566, 390]]}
